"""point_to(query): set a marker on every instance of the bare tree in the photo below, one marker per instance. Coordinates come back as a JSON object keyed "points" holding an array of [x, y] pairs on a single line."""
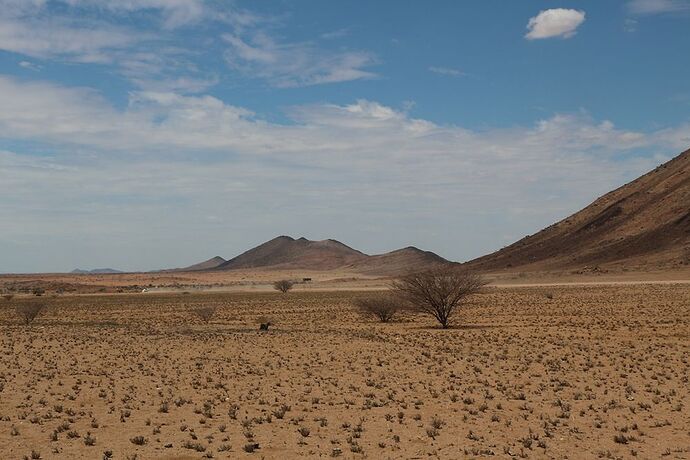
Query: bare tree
{"points": [[205, 313], [383, 307], [437, 292], [283, 285], [27, 312]]}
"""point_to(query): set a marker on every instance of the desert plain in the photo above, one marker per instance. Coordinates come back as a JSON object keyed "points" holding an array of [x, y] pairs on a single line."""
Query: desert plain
{"points": [[527, 371]]}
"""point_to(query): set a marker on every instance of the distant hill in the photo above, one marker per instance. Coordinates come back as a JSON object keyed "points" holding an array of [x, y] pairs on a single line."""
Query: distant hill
{"points": [[643, 225], [285, 252], [399, 261], [97, 271]]}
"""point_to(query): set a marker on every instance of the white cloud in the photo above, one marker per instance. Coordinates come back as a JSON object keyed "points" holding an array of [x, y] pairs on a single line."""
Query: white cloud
{"points": [[150, 61], [658, 6], [295, 64], [153, 58], [81, 117], [557, 22], [113, 172], [175, 12], [448, 71], [340, 33], [54, 38], [630, 25], [30, 66]]}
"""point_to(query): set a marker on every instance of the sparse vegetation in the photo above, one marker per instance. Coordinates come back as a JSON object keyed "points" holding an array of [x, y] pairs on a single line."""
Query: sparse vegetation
{"points": [[138, 440], [438, 292], [28, 312], [283, 285], [382, 307], [532, 379], [205, 313]]}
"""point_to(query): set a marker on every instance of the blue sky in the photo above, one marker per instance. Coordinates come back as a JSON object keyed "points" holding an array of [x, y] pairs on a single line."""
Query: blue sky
{"points": [[141, 134]]}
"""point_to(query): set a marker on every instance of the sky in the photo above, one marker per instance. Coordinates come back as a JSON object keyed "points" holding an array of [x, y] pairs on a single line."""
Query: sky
{"points": [[147, 134]]}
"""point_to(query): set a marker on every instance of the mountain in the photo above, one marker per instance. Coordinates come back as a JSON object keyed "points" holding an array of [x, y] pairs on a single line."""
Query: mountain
{"points": [[97, 271], [286, 252], [643, 224], [399, 261], [205, 265]]}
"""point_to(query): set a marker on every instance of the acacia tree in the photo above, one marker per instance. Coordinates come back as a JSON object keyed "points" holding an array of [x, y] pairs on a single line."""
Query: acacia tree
{"points": [[283, 285], [437, 292], [27, 312], [382, 307]]}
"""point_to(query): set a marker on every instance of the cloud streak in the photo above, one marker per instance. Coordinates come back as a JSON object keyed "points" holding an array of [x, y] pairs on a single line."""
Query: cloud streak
{"points": [[295, 64], [448, 71], [643, 7]]}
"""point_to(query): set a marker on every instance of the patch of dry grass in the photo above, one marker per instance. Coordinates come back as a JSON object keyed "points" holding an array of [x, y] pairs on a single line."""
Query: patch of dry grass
{"points": [[602, 371]]}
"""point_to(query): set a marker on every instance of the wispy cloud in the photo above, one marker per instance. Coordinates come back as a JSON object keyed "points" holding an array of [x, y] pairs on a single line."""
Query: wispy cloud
{"points": [[87, 31], [630, 25], [340, 33], [658, 6], [174, 13], [557, 22], [295, 64], [448, 71], [166, 148], [79, 32], [30, 66], [56, 38]]}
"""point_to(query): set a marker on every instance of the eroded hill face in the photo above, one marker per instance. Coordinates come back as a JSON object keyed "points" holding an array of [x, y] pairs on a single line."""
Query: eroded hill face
{"points": [[644, 224]]}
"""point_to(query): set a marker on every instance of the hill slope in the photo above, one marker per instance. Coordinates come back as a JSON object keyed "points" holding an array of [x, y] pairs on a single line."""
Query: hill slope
{"points": [[644, 224], [205, 265]]}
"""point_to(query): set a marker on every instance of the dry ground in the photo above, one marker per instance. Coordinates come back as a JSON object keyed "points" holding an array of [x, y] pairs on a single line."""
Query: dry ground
{"points": [[536, 372]]}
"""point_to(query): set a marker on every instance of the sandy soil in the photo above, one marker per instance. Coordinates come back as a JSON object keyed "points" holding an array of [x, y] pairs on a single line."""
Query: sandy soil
{"points": [[328, 280], [532, 372], [225, 281]]}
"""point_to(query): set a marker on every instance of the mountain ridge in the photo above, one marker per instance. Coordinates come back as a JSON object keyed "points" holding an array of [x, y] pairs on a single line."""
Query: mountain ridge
{"points": [[286, 252]]}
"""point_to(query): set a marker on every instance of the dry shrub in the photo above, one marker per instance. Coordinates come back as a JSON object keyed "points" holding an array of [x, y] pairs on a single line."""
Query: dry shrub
{"points": [[437, 292], [29, 311], [205, 313], [283, 285], [8, 297], [382, 307]]}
